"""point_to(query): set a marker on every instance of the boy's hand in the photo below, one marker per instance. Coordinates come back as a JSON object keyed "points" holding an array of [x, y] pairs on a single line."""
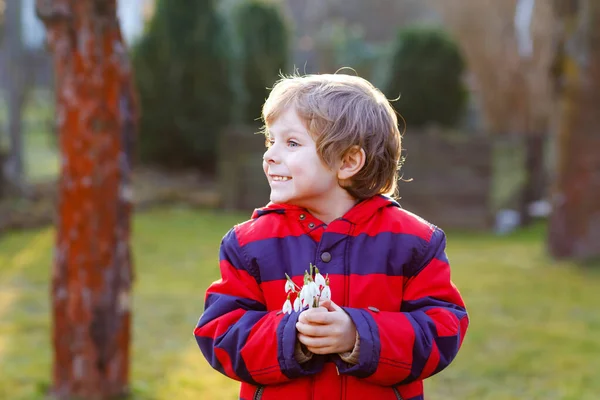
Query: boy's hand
{"points": [[326, 329]]}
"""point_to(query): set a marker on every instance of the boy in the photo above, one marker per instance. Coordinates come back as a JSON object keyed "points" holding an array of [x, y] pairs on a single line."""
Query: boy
{"points": [[394, 318]]}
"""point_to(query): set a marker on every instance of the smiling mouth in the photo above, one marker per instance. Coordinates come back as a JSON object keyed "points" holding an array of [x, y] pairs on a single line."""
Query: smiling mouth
{"points": [[278, 178]]}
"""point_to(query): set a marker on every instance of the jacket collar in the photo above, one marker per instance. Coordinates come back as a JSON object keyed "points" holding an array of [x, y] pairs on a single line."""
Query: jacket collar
{"points": [[358, 214]]}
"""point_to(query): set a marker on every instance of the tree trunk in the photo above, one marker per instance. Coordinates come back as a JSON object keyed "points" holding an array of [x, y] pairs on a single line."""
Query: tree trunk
{"points": [[534, 185], [93, 273], [16, 94], [574, 230]]}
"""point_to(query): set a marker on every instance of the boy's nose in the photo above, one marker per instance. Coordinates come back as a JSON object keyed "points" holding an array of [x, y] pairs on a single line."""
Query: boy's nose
{"points": [[270, 156]]}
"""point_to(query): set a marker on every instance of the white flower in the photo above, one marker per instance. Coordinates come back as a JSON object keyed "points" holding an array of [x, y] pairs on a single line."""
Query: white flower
{"points": [[326, 293], [319, 280], [289, 286], [305, 297], [297, 304], [287, 307], [313, 289], [303, 292]]}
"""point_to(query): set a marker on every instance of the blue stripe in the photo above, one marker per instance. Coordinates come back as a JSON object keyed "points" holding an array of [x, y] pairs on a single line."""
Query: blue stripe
{"points": [[427, 303], [387, 253], [231, 252], [423, 327], [448, 347], [392, 254], [276, 256], [218, 304], [207, 348], [234, 339], [435, 249], [370, 345]]}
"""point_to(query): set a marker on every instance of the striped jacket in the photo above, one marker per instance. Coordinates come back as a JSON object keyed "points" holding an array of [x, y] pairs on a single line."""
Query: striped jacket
{"points": [[388, 270]]}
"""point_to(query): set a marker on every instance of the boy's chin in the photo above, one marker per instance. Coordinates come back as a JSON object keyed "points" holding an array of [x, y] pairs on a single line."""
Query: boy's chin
{"points": [[281, 198], [278, 198]]}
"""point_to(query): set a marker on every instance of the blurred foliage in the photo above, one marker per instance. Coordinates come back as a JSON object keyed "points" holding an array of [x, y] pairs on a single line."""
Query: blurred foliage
{"points": [[343, 45], [426, 72], [182, 67], [264, 38]]}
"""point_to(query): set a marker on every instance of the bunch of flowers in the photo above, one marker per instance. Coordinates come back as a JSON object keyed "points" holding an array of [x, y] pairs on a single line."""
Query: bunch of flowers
{"points": [[315, 288]]}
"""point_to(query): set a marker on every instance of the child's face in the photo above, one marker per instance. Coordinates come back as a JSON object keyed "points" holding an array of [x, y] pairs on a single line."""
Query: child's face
{"points": [[295, 172]]}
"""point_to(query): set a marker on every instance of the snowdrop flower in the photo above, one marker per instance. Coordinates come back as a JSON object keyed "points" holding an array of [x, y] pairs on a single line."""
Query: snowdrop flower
{"points": [[289, 286], [313, 289], [326, 293], [297, 304], [319, 280], [287, 306], [304, 296]]}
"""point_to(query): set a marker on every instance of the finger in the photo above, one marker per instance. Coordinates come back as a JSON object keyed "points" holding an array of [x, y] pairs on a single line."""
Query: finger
{"points": [[311, 330], [330, 305], [323, 318], [316, 310], [316, 342], [303, 315], [321, 350], [335, 307], [326, 303]]}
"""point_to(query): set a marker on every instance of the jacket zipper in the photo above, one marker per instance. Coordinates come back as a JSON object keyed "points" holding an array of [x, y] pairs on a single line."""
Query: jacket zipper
{"points": [[397, 393], [258, 393]]}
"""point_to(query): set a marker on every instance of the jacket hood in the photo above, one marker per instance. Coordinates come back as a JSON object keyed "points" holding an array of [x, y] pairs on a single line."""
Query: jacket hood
{"points": [[361, 212]]}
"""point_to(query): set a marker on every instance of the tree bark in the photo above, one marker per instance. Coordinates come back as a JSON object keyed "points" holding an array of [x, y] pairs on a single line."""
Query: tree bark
{"points": [[574, 229], [93, 273], [534, 185]]}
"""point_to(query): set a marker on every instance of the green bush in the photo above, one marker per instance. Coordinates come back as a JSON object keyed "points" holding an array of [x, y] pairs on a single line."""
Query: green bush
{"points": [[182, 67], [426, 73], [263, 52]]}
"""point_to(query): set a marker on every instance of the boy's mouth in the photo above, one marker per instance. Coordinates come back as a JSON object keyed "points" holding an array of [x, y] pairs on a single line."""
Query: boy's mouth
{"points": [[279, 178]]}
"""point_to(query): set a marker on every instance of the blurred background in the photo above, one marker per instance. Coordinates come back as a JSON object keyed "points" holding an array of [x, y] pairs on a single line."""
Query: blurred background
{"points": [[155, 104]]}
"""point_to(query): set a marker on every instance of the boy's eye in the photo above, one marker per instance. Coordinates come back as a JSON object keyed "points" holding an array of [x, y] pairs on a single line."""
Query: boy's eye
{"points": [[291, 143], [269, 142]]}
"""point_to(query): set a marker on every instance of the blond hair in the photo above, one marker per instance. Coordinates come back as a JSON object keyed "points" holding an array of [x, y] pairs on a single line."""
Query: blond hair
{"points": [[342, 111]]}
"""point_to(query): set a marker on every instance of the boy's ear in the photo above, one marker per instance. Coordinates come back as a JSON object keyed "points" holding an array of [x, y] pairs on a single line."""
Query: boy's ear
{"points": [[352, 162]]}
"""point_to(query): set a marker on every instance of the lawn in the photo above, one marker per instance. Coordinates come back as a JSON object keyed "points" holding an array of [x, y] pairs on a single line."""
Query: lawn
{"points": [[40, 158], [535, 331]]}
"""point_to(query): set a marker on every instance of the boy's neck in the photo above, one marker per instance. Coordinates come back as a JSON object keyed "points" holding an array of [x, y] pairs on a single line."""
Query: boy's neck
{"points": [[332, 209]]}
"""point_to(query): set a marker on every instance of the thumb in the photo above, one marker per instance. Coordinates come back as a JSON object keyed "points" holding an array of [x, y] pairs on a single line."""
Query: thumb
{"points": [[329, 305]]}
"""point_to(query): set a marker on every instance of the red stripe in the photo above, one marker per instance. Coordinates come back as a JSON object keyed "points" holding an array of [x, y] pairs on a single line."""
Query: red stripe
{"points": [[464, 324], [219, 326], [433, 281], [260, 350], [432, 362], [236, 282], [390, 219], [267, 227], [388, 291], [225, 361], [445, 321], [396, 355]]}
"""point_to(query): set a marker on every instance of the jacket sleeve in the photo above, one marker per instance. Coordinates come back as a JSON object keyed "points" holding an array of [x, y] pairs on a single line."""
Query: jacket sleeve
{"points": [[236, 333], [424, 337]]}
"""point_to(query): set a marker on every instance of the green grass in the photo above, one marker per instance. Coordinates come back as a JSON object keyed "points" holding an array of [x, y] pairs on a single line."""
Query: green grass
{"points": [[41, 158], [535, 330]]}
